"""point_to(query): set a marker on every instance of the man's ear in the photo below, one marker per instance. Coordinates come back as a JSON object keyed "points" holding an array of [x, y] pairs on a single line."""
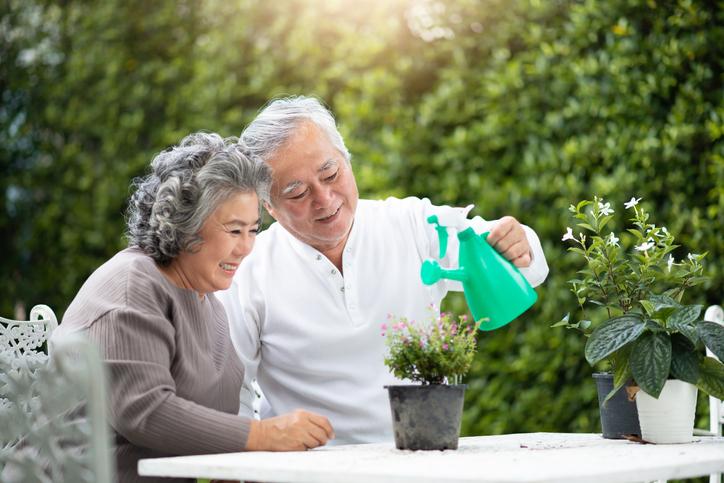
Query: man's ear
{"points": [[268, 207]]}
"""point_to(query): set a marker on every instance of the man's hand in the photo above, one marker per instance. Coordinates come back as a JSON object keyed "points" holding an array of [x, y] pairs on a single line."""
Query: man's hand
{"points": [[508, 238], [295, 431]]}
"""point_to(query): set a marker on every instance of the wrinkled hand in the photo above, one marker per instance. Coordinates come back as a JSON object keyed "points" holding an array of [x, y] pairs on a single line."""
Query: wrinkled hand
{"points": [[296, 431], [508, 238]]}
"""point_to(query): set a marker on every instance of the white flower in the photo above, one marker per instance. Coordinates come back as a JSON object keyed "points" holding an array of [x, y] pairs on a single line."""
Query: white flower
{"points": [[645, 246], [605, 208], [568, 235], [632, 202], [692, 256], [612, 240], [670, 262]]}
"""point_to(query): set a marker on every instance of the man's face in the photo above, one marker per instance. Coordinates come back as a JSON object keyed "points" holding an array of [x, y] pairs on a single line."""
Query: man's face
{"points": [[314, 194]]}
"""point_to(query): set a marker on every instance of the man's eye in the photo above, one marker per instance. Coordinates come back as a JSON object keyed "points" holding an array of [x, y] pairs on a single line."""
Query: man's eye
{"points": [[299, 196], [331, 178]]}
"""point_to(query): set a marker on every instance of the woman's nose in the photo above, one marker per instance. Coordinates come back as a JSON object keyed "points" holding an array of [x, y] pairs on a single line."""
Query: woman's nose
{"points": [[244, 246]]}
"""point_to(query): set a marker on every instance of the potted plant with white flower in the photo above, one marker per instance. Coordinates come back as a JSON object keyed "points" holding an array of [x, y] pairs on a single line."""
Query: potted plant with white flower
{"points": [[630, 298], [436, 354]]}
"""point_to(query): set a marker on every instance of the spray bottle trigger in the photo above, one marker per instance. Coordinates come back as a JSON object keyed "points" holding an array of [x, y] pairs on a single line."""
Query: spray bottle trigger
{"points": [[441, 234]]}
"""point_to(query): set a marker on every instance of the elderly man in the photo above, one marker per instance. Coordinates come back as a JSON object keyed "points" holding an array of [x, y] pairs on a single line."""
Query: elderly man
{"points": [[306, 306]]}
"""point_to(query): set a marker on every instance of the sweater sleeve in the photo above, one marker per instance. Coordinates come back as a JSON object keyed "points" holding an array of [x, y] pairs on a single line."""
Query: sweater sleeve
{"points": [[144, 405]]}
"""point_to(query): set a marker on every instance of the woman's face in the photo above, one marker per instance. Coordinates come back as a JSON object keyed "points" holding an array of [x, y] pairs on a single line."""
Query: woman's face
{"points": [[227, 237]]}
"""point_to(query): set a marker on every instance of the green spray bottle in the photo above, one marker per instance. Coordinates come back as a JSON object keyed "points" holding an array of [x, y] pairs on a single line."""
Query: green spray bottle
{"points": [[496, 292]]}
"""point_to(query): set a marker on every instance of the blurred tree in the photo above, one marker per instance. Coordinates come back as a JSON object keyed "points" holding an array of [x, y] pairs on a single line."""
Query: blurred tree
{"points": [[520, 106]]}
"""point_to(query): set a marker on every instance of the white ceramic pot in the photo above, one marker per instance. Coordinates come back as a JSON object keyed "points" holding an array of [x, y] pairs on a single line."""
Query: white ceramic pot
{"points": [[670, 418]]}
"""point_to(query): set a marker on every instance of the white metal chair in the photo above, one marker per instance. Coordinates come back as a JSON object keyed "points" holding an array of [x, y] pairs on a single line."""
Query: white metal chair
{"points": [[53, 423], [716, 407], [24, 339]]}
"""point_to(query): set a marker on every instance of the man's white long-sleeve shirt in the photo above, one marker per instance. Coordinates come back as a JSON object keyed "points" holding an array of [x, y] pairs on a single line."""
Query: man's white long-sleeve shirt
{"points": [[311, 335]]}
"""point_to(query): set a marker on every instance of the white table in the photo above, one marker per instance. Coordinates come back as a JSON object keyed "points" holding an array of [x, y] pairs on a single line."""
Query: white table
{"points": [[534, 457]]}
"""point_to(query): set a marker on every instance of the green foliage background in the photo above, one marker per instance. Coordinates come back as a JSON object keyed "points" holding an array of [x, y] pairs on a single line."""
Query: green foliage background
{"points": [[519, 106]]}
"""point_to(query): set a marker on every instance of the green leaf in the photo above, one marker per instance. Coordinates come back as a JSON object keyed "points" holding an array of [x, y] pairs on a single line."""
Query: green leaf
{"points": [[663, 301], [648, 307], [684, 359], [663, 313], [604, 221], [586, 226], [621, 372], [711, 377], [681, 321], [685, 315], [612, 335], [563, 322], [712, 334], [651, 362], [582, 204]]}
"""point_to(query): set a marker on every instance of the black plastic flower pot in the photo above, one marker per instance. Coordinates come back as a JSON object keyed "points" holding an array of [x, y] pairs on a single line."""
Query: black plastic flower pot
{"points": [[426, 417], [619, 417]]}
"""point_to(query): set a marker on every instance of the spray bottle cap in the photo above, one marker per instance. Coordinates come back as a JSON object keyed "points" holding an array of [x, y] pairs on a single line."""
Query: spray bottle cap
{"points": [[456, 218]]}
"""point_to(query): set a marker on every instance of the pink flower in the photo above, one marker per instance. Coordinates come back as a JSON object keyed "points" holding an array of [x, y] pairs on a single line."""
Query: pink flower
{"points": [[383, 327], [444, 347]]}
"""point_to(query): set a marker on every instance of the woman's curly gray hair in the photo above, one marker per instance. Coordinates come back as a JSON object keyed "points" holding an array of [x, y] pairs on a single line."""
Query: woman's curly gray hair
{"points": [[186, 184]]}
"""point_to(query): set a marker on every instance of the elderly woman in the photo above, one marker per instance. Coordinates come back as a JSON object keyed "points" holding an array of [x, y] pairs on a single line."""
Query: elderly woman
{"points": [[175, 377]]}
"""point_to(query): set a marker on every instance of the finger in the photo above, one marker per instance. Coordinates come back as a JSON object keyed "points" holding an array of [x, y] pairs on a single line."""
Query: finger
{"points": [[512, 238], [323, 423], [315, 438], [516, 250], [522, 261], [310, 441], [501, 229]]}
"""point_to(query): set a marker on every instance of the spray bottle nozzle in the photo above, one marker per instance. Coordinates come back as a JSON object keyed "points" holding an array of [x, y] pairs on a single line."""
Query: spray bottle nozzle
{"points": [[441, 234]]}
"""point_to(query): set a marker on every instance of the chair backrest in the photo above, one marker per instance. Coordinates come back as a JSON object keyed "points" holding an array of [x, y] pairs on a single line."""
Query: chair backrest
{"points": [[24, 339], [53, 420], [716, 407]]}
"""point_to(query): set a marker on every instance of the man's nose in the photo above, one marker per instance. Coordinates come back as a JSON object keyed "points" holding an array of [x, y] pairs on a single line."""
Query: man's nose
{"points": [[322, 197]]}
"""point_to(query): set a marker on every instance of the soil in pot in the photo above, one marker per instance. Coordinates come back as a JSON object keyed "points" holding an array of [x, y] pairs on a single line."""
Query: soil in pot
{"points": [[426, 417]]}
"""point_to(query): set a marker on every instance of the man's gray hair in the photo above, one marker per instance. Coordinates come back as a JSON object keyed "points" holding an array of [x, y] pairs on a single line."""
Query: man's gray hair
{"points": [[276, 123], [186, 184]]}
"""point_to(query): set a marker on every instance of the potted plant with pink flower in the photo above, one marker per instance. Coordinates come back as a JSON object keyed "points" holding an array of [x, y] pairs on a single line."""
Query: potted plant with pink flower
{"points": [[436, 354]]}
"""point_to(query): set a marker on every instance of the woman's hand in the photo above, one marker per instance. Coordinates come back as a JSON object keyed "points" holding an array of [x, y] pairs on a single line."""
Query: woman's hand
{"points": [[296, 431]]}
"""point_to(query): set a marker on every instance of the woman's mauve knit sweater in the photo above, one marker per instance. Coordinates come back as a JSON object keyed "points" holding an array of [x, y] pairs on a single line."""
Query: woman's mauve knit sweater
{"points": [[174, 375]]}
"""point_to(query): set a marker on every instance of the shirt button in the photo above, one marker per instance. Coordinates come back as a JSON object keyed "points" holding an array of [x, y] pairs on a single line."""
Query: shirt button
{"points": [[341, 289], [319, 257], [333, 272]]}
